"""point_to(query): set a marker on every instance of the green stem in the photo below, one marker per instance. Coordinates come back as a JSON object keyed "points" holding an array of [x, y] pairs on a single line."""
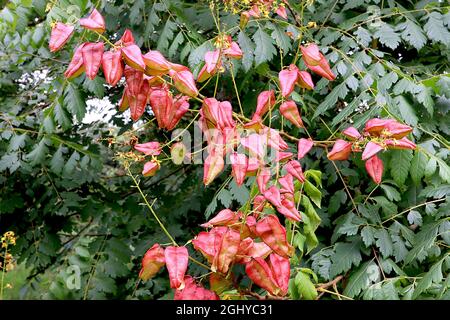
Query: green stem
{"points": [[150, 207]]}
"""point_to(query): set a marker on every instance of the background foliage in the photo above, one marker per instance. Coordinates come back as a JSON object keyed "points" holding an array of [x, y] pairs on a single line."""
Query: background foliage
{"points": [[70, 204]]}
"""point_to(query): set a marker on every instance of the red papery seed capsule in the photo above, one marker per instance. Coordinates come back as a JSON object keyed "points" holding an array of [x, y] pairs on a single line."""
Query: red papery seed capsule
{"points": [[160, 101], [289, 110], [403, 143], [288, 78], [212, 61], [396, 130], [287, 183], [304, 146], [341, 150], [94, 22], [123, 103], [323, 69], [266, 100], [374, 167], [205, 242], [225, 217], [375, 126], [260, 273], [59, 36], [193, 291], [259, 250], [92, 58], [180, 106], [226, 251], [134, 80], [239, 165], [133, 57], [214, 165], [234, 51], [304, 80], [281, 156], [371, 149], [151, 263], [316, 61], [281, 11], [263, 178], [273, 196], [149, 148], [176, 263], [184, 82], [150, 168], [139, 102], [273, 234], [217, 114], [352, 133], [126, 39], [155, 63], [273, 138], [289, 210], [295, 169], [242, 255], [311, 54], [76, 65], [112, 66], [255, 144], [258, 203], [281, 270]]}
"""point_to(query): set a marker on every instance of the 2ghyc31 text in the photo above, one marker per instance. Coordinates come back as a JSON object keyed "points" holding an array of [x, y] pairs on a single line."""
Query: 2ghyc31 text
{"points": [[255, 309]]}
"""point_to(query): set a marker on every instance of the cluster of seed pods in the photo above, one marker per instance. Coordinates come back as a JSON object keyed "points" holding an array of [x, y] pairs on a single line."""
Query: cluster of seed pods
{"points": [[378, 135], [257, 242], [254, 239]]}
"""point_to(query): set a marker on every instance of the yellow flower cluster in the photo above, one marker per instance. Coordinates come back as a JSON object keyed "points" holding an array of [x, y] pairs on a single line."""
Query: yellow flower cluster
{"points": [[8, 239]]}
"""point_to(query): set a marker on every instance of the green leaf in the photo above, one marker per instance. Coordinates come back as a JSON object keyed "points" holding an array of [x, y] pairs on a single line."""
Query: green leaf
{"points": [[432, 276], [10, 161], [391, 193], [248, 49], [400, 164], [412, 34], [336, 200], [368, 235], [425, 97], [224, 196], [423, 241], [61, 116], [387, 36], [346, 255], [95, 86], [280, 37], [310, 224], [384, 242], [57, 162], [444, 170], [37, 156], [74, 102], [363, 277], [340, 91], [414, 217], [364, 37], [418, 164], [406, 110], [305, 287], [264, 50], [313, 192], [176, 44], [431, 167], [435, 28], [17, 142], [166, 35]]}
